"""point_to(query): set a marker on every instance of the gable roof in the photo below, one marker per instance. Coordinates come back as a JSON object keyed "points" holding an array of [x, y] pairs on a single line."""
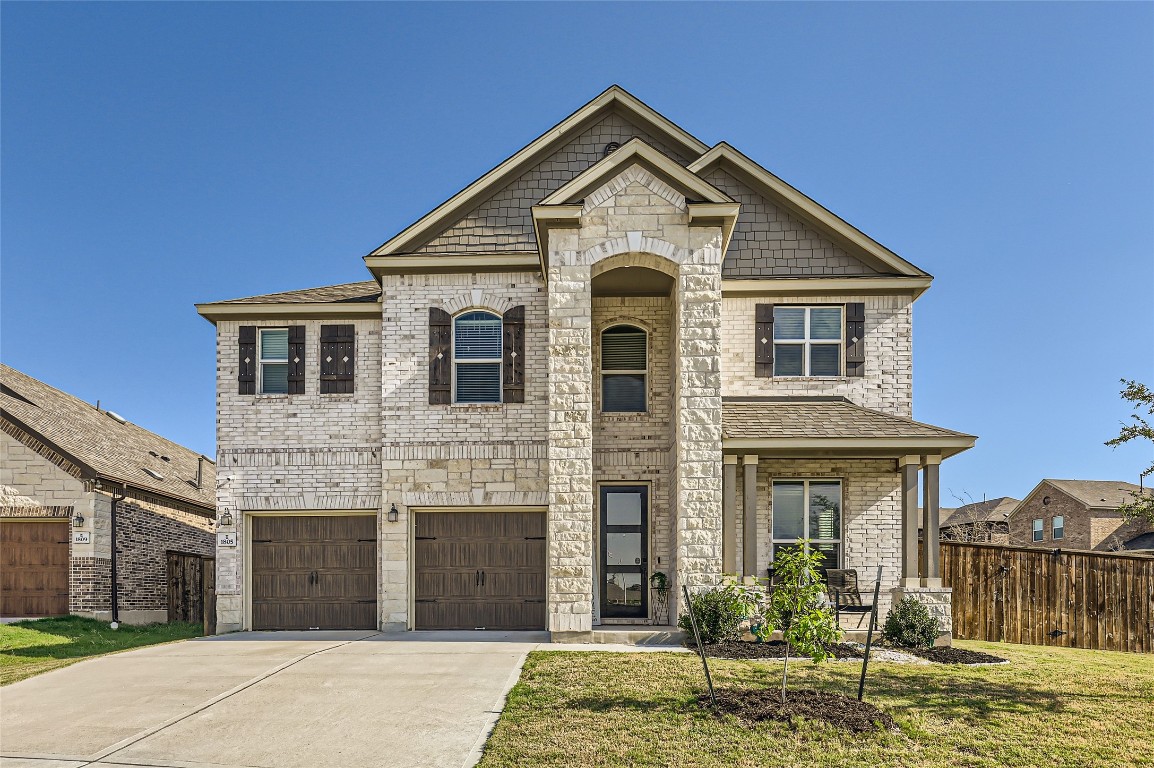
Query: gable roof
{"points": [[613, 99], [103, 446], [852, 239], [1097, 494]]}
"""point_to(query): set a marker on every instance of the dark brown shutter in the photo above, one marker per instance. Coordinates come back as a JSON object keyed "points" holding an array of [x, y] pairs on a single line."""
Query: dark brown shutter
{"points": [[247, 375], [338, 358], [296, 361], [855, 339], [440, 357], [763, 341], [513, 355]]}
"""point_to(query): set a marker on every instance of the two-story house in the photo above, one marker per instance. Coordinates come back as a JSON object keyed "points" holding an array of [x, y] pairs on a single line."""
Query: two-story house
{"points": [[622, 351]]}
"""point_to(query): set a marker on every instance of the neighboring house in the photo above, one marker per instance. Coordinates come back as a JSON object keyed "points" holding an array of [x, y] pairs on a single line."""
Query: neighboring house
{"points": [[65, 465], [621, 351], [985, 521], [1076, 514]]}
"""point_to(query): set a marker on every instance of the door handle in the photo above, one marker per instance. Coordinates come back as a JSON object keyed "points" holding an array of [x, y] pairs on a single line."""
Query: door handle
{"points": [[476, 578], [482, 578]]}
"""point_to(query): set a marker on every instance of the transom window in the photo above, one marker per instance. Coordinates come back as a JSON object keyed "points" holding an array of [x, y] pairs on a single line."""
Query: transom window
{"points": [[1058, 527], [808, 509], [807, 341], [274, 349], [477, 358], [624, 369], [1039, 529]]}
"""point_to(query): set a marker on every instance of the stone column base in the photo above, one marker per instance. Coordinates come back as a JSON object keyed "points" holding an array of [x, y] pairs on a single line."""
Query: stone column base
{"points": [[938, 600]]}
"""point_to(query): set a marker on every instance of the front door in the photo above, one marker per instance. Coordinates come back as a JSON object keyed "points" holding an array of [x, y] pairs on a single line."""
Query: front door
{"points": [[624, 551]]}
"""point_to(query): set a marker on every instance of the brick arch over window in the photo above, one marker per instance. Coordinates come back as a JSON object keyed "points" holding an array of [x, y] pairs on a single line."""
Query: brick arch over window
{"points": [[627, 258], [651, 252], [477, 299]]}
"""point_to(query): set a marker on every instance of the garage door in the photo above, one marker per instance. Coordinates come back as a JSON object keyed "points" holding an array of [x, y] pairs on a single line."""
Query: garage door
{"points": [[477, 570], [314, 572], [33, 568]]}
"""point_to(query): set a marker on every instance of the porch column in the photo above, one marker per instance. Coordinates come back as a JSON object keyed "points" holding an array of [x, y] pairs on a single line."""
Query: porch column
{"points": [[729, 514], [908, 465], [931, 573], [749, 519]]}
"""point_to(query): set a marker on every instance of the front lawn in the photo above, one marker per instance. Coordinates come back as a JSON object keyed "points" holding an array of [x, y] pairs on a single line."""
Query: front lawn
{"points": [[1048, 707], [28, 648]]}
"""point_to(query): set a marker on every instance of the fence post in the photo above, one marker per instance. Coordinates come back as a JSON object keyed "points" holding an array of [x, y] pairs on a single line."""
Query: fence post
{"points": [[697, 639]]}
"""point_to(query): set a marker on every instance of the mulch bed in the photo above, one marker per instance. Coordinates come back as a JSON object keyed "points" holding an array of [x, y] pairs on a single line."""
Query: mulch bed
{"points": [[954, 656], [775, 649], [759, 705]]}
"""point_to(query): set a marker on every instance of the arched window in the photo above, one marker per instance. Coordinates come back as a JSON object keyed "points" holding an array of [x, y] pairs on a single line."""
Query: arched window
{"points": [[624, 369], [477, 358]]}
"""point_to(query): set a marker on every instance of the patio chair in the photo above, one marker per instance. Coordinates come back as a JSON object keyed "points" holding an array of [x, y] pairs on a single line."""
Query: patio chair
{"points": [[842, 587]]}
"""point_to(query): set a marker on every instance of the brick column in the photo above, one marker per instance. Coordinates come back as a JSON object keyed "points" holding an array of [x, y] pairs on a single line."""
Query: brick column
{"points": [[570, 430], [729, 515], [697, 412]]}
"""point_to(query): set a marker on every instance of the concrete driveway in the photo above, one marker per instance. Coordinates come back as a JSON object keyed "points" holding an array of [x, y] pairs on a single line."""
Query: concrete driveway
{"points": [[269, 700]]}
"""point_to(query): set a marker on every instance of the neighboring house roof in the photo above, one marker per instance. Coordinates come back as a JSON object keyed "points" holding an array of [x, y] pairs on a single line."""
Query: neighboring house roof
{"points": [[103, 446], [1100, 494], [1141, 542], [830, 424], [989, 511]]}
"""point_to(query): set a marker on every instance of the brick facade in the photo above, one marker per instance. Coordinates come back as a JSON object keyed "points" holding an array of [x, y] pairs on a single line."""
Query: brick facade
{"points": [[1085, 527]]}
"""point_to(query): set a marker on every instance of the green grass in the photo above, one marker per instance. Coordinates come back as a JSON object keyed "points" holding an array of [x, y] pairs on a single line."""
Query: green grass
{"points": [[30, 648], [1049, 707]]}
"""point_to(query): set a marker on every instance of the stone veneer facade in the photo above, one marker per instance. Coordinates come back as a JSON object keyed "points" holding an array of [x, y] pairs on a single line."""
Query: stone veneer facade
{"points": [[385, 445]]}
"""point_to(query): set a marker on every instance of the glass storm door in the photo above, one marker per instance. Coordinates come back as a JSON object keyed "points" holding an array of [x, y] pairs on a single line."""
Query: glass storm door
{"points": [[624, 560]]}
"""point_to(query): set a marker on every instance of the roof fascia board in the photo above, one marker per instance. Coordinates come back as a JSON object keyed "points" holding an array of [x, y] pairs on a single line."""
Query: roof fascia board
{"points": [[787, 286], [946, 446], [805, 207], [635, 151], [722, 215], [446, 263], [319, 310], [458, 204], [547, 216]]}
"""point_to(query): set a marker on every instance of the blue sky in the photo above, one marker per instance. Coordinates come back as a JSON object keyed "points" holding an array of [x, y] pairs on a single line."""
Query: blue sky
{"points": [[156, 155]]}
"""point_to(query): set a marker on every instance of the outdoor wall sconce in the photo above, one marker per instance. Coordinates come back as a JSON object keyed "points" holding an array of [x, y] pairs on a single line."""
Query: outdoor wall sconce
{"points": [[78, 521], [225, 519], [393, 514]]}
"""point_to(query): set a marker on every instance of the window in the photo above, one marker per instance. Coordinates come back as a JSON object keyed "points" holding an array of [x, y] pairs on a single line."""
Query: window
{"points": [[807, 341], [1038, 529], [624, 364], [477, 358], [808, 509], [1057, 527], [274, 368]]}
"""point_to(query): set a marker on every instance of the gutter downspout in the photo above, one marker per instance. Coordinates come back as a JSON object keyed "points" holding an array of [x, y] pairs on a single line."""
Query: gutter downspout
{"points": [[115, 584]]}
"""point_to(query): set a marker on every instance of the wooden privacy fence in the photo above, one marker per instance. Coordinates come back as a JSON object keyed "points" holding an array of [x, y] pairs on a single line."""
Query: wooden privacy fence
{"points": [[1074, 599], [192, 589]]}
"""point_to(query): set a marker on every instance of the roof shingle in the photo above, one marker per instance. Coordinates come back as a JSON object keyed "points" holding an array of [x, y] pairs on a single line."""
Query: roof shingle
{"points": [[818, 418], [345, 293]]}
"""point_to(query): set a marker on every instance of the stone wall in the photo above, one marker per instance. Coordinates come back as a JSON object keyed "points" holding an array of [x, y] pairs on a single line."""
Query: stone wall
{"points": [[887, 385], [33, 475]]}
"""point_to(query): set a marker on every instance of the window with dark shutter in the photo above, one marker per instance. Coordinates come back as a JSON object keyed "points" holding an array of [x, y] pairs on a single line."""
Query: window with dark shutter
{"points": [[855, 339], [513, 355], [246, 377], [763, 341], [440, 357], [338, 359], [296, 360]]}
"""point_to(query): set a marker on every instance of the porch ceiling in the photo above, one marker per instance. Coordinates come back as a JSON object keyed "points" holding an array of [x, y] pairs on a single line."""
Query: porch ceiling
{"points": [[829, 427]]}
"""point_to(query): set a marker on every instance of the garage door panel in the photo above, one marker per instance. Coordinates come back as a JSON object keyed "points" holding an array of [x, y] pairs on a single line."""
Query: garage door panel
{"points": [[312, 571], [452, 548], [34, 568]]}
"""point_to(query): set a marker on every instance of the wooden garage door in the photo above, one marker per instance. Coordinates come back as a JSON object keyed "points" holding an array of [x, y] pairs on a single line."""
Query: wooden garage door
{"points": [[314, 572], [34, 568], [477, 570]]}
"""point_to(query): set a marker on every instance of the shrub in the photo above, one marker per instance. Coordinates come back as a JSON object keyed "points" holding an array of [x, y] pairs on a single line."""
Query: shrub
{"points": [[909, 624], [719, 615]]}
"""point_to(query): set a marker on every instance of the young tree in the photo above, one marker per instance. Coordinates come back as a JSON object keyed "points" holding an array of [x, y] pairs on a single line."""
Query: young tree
{"points": [[1142, 507], [797, 607]]}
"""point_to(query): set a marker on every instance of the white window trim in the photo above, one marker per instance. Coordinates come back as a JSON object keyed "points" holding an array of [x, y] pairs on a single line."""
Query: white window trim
{"points": [[840, 541], [806, 342], [1038, 529], [644, 373], [260, 361], [1058, 532], [475, 360]]}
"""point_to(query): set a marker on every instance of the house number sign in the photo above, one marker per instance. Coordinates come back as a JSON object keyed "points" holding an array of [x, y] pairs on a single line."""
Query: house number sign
{"points": [[81, 537], [226, 539]]}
